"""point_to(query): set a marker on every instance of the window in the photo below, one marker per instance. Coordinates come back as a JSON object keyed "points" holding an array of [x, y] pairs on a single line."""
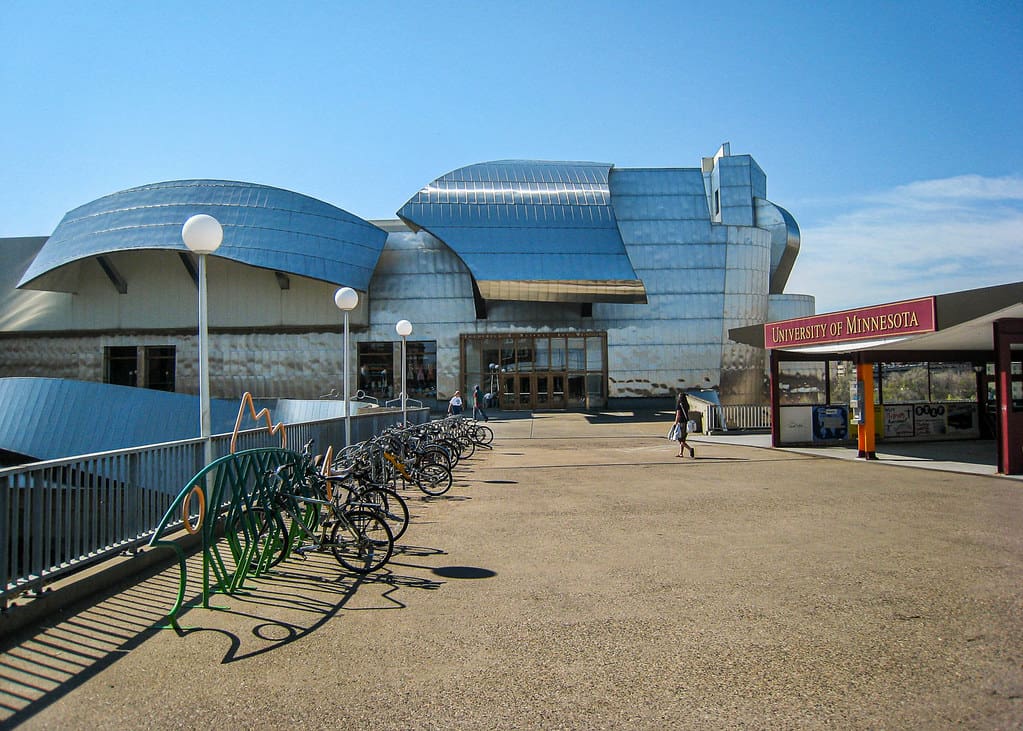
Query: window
{"points": [[841, 375], [376, 369], [379, 367], [421, 369], [160, 367], [904, 383], [152, 366], [953, 382], [801, 383], [120, 365], [927, 382]]}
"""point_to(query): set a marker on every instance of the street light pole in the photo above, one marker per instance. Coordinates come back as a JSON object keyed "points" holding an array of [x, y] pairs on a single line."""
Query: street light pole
{"points": [[346, 300], [203, 235], [404, 329]]}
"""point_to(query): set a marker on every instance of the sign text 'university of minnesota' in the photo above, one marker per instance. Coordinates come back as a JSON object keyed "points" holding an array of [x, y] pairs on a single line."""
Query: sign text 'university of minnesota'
{"points": [[881, 321]]}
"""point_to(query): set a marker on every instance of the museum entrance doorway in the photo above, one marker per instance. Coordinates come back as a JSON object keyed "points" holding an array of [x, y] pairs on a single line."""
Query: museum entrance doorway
{"points": [[526, 371]]}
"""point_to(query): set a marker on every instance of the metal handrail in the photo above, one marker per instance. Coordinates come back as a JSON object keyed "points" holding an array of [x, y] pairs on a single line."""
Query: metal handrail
{"points": [[60, 516]]}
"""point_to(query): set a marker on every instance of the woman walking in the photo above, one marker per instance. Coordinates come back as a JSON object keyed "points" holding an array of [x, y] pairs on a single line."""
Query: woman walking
{"points": [[477, 405], [681, 426]]}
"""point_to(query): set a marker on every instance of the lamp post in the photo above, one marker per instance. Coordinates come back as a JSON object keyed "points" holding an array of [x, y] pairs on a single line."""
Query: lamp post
{"points": [[346, 300], [403, 328], [202, 235]]}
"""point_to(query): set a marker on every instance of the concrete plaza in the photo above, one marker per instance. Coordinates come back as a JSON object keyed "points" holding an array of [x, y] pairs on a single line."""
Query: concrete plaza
{"points": [[580, 576]]}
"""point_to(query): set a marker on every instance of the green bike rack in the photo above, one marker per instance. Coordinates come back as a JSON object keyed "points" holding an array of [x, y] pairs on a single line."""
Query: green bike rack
{"points": [[226, 490]]}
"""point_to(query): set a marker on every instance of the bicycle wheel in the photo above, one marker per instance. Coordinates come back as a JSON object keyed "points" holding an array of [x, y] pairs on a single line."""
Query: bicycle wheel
{"points": [[361, 541], [466, 446], [483, 434], [387, 503], [434, 479], [435, 454], [262, 536]]}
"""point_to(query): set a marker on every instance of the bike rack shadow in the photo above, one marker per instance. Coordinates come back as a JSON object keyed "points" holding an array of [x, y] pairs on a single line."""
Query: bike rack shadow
{"points": [[42, 665]]}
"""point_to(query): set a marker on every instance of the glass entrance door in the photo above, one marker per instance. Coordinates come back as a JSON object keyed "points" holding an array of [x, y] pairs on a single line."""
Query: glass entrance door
{"points": [[549, 391], [538, 371]]}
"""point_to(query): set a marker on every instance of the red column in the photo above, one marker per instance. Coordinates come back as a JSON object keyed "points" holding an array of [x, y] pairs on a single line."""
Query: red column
{"points": [[1007, 333], [775, 411]]}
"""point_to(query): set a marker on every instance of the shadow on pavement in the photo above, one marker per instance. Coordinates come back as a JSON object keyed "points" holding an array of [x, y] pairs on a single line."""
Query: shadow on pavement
{"points": [[41, 666]]}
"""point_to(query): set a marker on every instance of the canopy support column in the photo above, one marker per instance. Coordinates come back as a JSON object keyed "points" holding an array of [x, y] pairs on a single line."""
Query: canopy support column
{"points": [[1008, 341], [865, 434]]}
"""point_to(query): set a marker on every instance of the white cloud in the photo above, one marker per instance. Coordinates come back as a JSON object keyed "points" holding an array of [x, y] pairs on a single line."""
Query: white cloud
{"points": [[927, 237]]}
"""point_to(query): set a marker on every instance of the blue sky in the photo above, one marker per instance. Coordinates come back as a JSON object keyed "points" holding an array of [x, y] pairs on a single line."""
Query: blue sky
{"points": [[889, 130]]}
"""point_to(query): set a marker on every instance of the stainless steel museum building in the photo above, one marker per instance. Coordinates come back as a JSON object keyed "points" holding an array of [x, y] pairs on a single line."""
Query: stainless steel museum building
{"points": [[549, 284]]}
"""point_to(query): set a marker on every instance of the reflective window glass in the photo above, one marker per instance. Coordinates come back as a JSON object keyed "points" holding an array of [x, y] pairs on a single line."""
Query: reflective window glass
{"points": [[508, 354], [558, 354], [594, 354], [421, 369], [542, 351], [121, 365], [160, 365], [842, 374], [472, 358], [576, 354], [800, 383], [953, 382], [376, 369], [904, 383], [576, 390], [524, 355]]}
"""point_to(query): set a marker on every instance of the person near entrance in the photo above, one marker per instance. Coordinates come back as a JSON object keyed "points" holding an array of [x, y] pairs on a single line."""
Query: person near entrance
{"points": [[681, 426], [455, 404], [477, 405]]}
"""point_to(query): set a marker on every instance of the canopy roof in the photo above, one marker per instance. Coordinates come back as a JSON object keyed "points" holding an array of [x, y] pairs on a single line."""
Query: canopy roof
{"points": [[962, 322], [531, 230], [264, 227]]}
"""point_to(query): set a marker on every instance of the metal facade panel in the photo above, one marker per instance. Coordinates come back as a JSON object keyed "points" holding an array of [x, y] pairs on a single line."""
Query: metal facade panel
{"points": [[784, 241], [47, 418], [263, 227], [789, 306], [658, 181], [525, 220]]}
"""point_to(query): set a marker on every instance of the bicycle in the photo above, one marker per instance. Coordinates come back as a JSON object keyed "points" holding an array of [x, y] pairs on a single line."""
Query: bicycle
{"points": [[358, 537]]}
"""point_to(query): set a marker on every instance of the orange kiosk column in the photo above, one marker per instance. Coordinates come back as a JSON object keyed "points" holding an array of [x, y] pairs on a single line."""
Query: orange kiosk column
{"points": [[865, 431]]}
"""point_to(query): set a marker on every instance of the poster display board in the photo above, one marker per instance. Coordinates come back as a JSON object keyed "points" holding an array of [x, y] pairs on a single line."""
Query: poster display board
{"points": [[928, 420], [898, 421], [830, 423], [962, 420], [796, 424], [931, 421]]}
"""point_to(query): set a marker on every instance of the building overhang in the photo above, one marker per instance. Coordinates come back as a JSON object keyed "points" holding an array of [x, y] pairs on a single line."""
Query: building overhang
{"points": [[962, 322], [563, 290]]}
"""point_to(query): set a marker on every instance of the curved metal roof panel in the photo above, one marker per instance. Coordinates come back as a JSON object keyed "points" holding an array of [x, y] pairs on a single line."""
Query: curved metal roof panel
{"points": [[527, 220], [264, 227], [51, 418]]}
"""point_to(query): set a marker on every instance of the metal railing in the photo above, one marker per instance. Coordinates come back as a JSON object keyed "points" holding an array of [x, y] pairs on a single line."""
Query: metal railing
{"points": [[744, 416], [61, 516]]}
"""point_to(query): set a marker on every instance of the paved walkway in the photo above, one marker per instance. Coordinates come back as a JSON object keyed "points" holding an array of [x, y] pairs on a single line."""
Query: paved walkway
{"points": [[580, 576], [974, 457]]}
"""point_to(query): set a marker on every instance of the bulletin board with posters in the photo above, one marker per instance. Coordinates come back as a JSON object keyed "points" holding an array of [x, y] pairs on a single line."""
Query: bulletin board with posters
{"points": [[813, 424], [830, 423], [924, 421]]}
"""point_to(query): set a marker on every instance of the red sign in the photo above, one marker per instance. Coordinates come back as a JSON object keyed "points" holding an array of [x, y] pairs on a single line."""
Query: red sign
{"points": [[881, 321]]}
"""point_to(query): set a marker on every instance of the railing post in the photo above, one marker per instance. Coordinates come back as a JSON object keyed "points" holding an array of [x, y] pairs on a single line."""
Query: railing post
{"points": [[6, 542]]}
